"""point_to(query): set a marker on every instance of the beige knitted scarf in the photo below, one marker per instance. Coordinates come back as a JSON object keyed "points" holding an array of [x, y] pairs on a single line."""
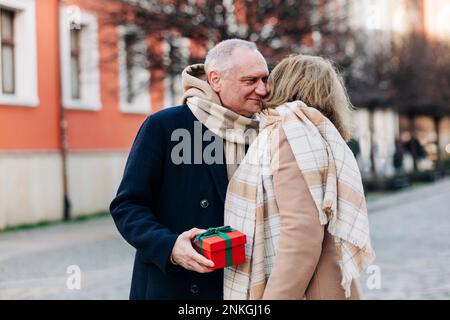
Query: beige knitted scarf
{"points": [[236, 130], [333, 179]]}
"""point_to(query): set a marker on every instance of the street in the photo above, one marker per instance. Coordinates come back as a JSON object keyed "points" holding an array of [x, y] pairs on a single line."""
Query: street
{"points": [[33, 264], [409, 234]]}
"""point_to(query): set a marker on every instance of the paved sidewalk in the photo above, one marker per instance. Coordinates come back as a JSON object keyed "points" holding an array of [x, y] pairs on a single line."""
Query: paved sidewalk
{"points": [[410, 233], [33, 263]]}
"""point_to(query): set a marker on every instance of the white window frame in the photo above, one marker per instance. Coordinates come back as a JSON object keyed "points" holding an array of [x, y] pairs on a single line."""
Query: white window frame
{"points": [[72, 17], [169, 101], [25, 54], [142, 102]]}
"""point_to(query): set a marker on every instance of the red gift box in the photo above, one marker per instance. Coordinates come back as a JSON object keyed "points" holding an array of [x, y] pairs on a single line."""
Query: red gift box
{"points": [[224, 246]]}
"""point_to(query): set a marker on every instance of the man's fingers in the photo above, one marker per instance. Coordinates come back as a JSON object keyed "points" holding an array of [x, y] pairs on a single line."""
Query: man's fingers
{"points": [[188, 256], [201, 259], [198, 258], [198, 267]]}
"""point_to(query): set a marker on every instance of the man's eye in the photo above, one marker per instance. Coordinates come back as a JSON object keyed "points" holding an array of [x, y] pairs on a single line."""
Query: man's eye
{"points": [[250, 81]]}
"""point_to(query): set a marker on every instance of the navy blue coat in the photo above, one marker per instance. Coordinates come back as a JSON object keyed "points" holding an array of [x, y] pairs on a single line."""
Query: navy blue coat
{"points": [[157, 200]]}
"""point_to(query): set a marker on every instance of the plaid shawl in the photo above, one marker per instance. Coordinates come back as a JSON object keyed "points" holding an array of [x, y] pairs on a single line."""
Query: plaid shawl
{"points": [[333, 178], [236, 130]]}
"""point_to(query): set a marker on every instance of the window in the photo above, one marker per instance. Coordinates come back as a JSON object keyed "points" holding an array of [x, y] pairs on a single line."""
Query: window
{"points": [[79, 60], [75, 64], [134, 79], [7, 51], [177, 54], [18, 56], [130, 41]]}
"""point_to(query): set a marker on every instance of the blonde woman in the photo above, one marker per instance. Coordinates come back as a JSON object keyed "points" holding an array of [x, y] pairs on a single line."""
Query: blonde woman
{"points": [[298, 194]]}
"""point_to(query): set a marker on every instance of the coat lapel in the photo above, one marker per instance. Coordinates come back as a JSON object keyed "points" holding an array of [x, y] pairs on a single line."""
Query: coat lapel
{"points": [[218, 171]]}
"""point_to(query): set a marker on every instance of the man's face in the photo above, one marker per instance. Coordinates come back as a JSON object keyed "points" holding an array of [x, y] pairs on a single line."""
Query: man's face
{"points": [[242, 87]]}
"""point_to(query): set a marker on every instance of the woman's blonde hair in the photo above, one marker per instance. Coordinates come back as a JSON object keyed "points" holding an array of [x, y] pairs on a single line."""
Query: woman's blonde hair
{"points": [[315, 81]]}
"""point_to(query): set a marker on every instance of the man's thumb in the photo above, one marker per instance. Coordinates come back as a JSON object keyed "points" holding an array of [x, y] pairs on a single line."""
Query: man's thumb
{"points": [[195, 232]]}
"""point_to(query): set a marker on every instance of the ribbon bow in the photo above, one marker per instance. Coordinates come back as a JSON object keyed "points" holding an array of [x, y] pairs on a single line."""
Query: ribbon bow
{"points": [[221, 232]]}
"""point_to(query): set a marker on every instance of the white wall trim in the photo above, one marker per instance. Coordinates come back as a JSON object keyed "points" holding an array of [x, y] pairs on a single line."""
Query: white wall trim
{"points": [[93, 179], [34, 188], [25, 54], [142, 101], [12, 100], [90, 70]]}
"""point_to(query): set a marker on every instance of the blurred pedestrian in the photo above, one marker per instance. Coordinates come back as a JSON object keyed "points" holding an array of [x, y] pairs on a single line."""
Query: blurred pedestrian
{"points": [[398, 157]]}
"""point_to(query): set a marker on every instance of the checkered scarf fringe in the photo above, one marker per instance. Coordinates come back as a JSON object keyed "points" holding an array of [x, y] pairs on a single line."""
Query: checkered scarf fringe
{"points": [[333, 178]]}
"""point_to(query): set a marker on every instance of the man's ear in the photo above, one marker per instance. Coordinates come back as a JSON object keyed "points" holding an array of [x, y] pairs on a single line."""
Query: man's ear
{"points": [[214, 80]]}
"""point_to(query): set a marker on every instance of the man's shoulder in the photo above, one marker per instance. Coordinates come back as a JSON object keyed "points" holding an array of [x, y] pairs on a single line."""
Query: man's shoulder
{"points": [[162, 123], [171, 115]]}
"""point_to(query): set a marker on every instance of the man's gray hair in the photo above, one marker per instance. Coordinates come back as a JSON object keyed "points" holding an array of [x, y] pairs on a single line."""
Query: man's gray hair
{"points": [[218, 58]]}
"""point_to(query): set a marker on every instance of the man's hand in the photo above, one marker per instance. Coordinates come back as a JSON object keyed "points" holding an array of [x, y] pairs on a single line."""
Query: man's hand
{"points": [[185, 255]]}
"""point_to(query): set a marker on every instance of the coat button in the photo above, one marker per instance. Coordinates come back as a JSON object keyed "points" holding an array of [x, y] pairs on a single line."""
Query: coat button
{"points": [[194, 288], [204, 203]]}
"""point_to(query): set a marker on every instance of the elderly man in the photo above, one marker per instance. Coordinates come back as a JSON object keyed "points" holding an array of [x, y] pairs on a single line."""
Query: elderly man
{"points": [[162, 202]]}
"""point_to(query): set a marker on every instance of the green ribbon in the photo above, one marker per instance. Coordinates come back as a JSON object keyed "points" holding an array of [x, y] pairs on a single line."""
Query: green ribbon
{"points": [[221, 232]]}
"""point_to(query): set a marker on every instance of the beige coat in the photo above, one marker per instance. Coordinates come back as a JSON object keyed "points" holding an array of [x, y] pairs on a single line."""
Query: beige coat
{"points": [[306, 265]]}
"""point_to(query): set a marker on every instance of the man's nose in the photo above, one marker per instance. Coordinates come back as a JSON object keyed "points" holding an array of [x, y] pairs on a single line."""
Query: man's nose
{"points": [[261, 89]]}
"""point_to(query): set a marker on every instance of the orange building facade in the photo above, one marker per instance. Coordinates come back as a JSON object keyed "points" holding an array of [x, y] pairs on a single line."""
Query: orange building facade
{"points": [[66, 119], [71, 103]]}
